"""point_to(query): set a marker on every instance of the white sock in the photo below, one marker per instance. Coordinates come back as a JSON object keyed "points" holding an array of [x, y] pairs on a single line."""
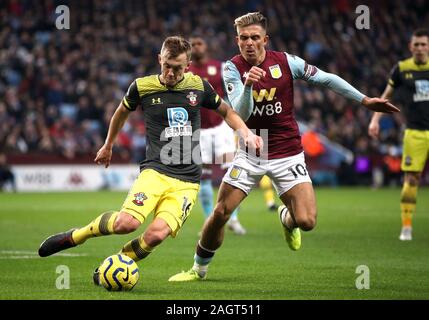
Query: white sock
{"points": [[283, 215], [200, 269]]}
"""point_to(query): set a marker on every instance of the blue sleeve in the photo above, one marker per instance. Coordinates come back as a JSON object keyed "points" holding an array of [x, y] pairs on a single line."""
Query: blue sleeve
{"points": [[301, 70], [239, 95]]}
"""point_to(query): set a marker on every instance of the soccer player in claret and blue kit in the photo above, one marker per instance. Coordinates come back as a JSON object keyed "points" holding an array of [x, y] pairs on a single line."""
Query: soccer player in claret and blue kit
{"points": [[259, 85]]}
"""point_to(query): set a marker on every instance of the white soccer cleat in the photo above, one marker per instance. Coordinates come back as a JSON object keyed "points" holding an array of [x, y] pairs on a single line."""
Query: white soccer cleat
{"points": [[236, 227], [406, 234]]}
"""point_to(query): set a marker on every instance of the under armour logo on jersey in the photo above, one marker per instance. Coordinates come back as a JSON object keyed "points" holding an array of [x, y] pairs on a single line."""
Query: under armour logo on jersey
{"points": [[156, 101]]}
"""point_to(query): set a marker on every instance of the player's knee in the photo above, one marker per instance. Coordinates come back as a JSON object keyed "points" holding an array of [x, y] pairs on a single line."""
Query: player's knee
{"points": [[125, 223], [307, 222], [221, 213]]}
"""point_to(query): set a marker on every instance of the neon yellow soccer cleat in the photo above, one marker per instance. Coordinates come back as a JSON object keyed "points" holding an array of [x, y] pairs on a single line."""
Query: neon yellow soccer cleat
{"points": [[190, 275], [293, 237]]}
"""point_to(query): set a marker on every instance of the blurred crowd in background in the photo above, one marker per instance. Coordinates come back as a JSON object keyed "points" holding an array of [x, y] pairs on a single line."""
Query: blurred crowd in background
{"points": [[59, 88]]}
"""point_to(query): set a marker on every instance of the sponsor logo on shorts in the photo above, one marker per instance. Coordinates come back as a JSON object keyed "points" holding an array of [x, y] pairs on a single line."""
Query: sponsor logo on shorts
{"points": [[235, 173], [139, 198]]}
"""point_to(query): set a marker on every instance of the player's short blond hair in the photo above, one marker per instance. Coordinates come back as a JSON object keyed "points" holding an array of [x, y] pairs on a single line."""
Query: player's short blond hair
{"points": [[175, 46], [251, 18]]}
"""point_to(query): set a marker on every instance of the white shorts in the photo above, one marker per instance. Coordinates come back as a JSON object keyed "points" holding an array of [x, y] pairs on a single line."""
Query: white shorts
{"points": [[285, 173], [216, 142]]}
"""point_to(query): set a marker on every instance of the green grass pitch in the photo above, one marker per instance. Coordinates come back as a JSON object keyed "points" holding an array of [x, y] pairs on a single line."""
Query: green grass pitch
{"points": [[355, 227]]}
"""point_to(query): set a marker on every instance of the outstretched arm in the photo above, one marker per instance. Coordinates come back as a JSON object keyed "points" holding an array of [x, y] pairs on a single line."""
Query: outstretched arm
{"points": [[374, 126], [104, 155], [301, 70]]}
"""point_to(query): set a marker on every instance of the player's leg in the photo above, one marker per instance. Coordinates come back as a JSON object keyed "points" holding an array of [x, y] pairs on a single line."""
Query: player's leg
{"points": [[234, 224], [139, 248], [408, 203], [225, 147], [267, 189], [229, 198], [301, 203], [205, 195], [171, 212], [206, 191], [414, 156], [236, 185], [293, 184], [134, 211], [110, 222]]}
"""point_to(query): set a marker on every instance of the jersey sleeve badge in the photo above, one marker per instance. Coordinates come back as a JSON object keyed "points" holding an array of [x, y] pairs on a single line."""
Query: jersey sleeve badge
{"points": [[275, 71]]}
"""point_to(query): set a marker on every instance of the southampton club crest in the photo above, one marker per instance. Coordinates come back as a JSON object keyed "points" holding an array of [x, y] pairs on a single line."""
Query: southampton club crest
{"points": [[139, 198], [192, 98]]}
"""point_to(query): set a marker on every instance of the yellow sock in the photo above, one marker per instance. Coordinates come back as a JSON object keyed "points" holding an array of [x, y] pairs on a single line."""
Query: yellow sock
{"points": [[101, 226], [136, 249], [408, 203], [267, 187]]}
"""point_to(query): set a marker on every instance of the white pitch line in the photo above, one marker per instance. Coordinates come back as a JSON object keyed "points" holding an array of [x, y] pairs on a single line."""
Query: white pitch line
{"points": [[28, 254], [18, 257]]}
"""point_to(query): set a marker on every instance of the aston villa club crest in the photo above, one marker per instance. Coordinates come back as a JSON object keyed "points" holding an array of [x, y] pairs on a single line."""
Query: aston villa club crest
{"points": [[139, 198], [235, 172], [275, 71], [192, 98]]}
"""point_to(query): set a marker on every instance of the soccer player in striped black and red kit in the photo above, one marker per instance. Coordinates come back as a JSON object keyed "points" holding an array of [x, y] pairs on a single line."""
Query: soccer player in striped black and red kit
{"points": [[259, 85]]}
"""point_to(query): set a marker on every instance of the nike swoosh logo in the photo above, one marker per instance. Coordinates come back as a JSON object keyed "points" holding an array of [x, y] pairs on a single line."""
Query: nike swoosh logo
{"points": [[128, 275]]}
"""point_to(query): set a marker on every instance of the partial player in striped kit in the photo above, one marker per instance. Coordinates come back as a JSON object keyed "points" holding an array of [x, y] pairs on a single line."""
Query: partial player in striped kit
{"points": [[410, 78], [169, 181]]}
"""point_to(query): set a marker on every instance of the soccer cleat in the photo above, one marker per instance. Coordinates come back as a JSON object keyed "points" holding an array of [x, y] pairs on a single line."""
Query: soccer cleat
{"points": [[406, 234], [96, 277], [57, 242], [190, 275], [292, 237], [236, 227]]}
